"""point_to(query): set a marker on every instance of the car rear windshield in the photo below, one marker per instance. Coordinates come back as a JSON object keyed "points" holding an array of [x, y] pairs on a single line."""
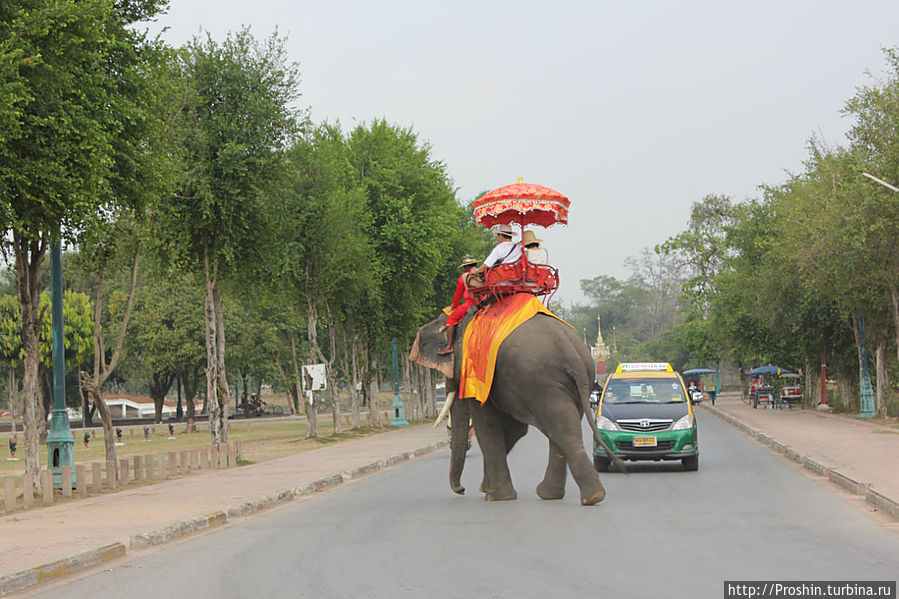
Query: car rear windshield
{"points": [[648, 390]]}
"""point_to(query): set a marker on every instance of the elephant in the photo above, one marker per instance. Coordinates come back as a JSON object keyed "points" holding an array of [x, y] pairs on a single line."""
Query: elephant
{"points": [[543, 377]]}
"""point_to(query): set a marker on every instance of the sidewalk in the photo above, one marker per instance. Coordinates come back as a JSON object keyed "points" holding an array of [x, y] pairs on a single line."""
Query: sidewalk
{"points": [[47, 543], [859, 455]]}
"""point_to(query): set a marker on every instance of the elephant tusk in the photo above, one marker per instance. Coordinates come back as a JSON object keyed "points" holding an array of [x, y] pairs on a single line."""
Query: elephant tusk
{"points": [[446, 407]]}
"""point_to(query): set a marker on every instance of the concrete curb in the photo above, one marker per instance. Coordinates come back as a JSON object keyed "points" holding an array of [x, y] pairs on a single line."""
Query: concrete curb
{"points": [[18, 581], [176, 530], [872, 497]]}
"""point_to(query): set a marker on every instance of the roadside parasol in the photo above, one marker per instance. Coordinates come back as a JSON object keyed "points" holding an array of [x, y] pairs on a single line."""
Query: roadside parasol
{"points": [[699, 371], [522, 203]]}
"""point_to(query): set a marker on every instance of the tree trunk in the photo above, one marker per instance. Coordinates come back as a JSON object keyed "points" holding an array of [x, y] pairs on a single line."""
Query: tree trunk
{"points": [[351, 368], [354, 392], [431, 410], [812, 391], [13, 395], [844, 390], [894, 292], [297, 375], [29, 255], [86, 414], [329, 370], [94, 382], [810, 385], [312, 336], [292, 400], [105, 417], [744, 383], [224, 395], [883, 377], [371, 383], [408, 380], [190, 384], [216, 404], [159, 387]]}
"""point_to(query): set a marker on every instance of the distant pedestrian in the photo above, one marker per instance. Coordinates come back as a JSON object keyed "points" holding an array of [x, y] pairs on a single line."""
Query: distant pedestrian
{"points": [[594, 396], [13, 441], [87, 439]]}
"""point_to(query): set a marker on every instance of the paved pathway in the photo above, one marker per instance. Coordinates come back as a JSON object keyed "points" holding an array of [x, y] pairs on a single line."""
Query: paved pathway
{"points": [[864, 451]]}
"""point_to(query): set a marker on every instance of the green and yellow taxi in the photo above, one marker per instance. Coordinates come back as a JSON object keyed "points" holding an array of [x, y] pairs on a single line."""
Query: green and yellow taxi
{"points": [[645, 413]]}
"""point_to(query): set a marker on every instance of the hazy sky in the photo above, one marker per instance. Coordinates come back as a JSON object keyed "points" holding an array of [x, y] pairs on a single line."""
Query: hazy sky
{"points": [[634, 110]]}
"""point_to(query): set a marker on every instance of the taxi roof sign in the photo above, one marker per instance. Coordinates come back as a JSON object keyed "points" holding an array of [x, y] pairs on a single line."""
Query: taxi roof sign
{"points": [[644, 366]]}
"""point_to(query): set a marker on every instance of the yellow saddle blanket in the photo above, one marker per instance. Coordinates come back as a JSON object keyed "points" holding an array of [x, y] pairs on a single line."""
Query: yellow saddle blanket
{"points": [[483, 336]]}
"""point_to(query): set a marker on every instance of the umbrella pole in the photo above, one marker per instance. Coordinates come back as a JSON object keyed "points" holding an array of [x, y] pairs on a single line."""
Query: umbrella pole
{"points": [[524, 254]]}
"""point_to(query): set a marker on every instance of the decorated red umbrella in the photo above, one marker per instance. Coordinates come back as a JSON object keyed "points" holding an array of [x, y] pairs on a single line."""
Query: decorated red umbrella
{"points": [[522, 203]]}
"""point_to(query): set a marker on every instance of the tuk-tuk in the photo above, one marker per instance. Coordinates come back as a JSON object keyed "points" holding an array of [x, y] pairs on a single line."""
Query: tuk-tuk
{"points": [[697, 387], [761, 388], [790, 391]]}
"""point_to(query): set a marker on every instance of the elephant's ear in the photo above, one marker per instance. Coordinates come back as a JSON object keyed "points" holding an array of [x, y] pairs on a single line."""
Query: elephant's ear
{"points": [[429, 339]]}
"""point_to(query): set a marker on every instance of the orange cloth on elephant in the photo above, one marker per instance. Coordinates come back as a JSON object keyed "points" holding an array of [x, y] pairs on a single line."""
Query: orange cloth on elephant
{"points": [[483, 336]]}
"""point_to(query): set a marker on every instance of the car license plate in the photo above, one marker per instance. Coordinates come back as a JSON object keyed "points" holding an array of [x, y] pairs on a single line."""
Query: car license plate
{"points": [[645, 442]]}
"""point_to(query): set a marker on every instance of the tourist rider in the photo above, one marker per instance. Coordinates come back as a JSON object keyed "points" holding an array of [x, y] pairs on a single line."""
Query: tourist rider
{"points": [[506, 251], [461, 303], [535, 254]]}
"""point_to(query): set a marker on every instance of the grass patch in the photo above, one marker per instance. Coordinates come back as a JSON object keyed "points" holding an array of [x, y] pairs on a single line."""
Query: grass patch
{"points": [[263, 439]]}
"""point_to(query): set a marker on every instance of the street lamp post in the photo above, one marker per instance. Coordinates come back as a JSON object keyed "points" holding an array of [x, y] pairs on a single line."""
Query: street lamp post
{"points": [[867, 394], [60, 442], [881, 181], [399, 411]]}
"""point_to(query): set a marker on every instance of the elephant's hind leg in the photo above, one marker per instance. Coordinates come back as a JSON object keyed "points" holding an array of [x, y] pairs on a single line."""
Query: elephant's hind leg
{"points": [[553, 484], [567, 436]]}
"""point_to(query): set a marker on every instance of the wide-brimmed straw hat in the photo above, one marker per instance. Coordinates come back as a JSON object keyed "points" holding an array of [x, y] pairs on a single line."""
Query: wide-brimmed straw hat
{"points": [[528, 237], [503, 229], [468, 260]]}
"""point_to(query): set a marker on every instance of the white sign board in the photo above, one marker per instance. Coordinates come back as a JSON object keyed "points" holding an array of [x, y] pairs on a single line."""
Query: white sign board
{"points": [[314, 377]]}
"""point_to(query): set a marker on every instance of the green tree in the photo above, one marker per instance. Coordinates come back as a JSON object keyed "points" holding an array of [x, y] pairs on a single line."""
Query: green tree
{"points": [[875, 142], [166, 336], [240, 126], [415, 225], [327, 251], [64, 132]]}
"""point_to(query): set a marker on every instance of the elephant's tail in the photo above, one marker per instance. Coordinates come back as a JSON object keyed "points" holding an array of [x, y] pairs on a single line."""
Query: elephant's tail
{"points": [[583, 388]]}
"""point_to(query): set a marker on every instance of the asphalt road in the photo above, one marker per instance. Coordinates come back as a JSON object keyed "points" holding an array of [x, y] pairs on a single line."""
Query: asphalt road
{"points": [[661, 532]]}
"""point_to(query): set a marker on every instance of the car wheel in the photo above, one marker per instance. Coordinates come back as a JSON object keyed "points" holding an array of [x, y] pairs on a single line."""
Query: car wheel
{"points": [[601, 463], [691, 464]]}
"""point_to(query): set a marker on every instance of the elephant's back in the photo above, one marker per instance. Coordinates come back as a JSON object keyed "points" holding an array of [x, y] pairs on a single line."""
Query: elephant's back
{"points": [[543, 338]]}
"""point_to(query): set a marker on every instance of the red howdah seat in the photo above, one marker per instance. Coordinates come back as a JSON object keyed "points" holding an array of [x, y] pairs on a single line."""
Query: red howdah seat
{"points": [[516, 277]]}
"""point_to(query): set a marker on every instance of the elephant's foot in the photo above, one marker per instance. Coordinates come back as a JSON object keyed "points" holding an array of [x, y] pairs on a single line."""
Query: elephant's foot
{"points": [[504, 495], [595, 496], [548, 491], [457, 488]]}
